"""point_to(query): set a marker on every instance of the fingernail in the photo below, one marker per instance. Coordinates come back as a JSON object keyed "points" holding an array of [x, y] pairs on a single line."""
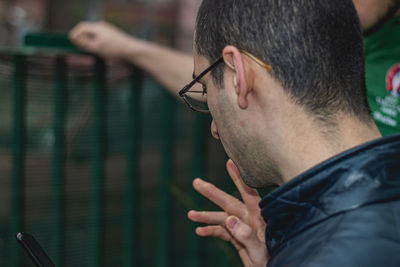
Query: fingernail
{"points": [[231, 222]]}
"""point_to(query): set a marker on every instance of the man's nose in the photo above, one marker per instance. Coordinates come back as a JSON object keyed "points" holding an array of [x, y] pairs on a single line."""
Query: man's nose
{"points": [[214, 130]]}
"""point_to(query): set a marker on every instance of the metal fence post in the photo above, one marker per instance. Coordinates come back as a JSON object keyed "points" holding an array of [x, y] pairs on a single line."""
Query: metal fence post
{"points": [[97, 182], [167, 163], [60, 99], [199, 170], [18, 158], [132, 197]]}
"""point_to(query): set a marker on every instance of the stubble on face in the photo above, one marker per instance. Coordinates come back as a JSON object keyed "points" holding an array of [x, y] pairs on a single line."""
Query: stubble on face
{"points": [[241, 143]]}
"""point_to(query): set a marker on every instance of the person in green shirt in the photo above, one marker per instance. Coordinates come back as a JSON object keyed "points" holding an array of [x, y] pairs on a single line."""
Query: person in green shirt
{"points": [[380, 21], [382, 66]]}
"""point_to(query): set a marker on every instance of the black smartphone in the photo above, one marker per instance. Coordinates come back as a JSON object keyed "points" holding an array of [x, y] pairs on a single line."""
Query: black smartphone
{"points": [[34, 250]]}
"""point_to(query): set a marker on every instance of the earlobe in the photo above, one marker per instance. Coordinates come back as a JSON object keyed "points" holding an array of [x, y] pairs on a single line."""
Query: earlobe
{"points": [[242, 100]]}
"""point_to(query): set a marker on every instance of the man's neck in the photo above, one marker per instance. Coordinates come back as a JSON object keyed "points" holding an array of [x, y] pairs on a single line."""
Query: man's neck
{"points": [[310, 146], [294, 139]]}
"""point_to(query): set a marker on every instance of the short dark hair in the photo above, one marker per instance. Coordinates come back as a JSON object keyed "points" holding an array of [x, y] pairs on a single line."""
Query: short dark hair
{"points": [[315, 48]]}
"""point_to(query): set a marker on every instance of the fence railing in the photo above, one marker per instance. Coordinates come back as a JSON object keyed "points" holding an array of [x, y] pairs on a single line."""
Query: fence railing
{"points": [[58, 48]]}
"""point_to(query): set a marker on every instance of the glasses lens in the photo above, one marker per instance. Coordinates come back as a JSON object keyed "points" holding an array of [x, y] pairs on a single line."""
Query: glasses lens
{"points": [[197, 100]]}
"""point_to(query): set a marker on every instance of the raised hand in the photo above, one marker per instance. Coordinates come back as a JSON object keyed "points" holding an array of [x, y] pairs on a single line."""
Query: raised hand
{"points": [[102, 38], [173, 69], [239, 223]]}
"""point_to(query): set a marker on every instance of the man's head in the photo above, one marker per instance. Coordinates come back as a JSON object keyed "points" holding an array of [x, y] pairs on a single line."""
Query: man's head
{"points": [[373, 13], [315, 50]]}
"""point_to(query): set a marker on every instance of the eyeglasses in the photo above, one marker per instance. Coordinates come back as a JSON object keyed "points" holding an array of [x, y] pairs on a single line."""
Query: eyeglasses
{"points": [[197, 100]]}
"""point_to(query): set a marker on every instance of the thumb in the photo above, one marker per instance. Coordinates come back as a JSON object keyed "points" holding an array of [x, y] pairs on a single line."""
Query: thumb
{"points": [[243, 233]]}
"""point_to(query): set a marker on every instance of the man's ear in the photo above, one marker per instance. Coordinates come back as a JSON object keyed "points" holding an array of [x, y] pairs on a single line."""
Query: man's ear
{"points": [[234, 60]]}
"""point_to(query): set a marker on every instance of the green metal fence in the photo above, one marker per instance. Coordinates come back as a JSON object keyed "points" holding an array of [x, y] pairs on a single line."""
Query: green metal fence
{"points": [[166, 237]]}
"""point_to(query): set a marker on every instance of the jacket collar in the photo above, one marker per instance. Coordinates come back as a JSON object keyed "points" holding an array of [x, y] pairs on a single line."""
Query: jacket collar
{"points": [[366, 174]]}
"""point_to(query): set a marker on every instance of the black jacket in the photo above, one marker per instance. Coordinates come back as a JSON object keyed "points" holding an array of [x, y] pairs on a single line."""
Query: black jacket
{"points": [[343, 212]]}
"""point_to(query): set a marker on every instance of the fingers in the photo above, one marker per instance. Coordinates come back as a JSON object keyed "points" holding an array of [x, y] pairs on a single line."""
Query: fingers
{"points": [[102, 39], [251, 198], [213, 231], [249, 195], [218, 231], [251, 250], [208, 217], [241, 231], [84, 35], [244, 234], [225, 201], [79, 29]]}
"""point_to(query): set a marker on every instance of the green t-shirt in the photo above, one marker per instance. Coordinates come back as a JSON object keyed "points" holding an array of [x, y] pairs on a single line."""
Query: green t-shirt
{"points": [[382, 56]]}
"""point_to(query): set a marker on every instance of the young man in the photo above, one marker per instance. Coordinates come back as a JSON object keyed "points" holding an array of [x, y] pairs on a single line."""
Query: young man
{"points": [[285, 87], [382, 56]]}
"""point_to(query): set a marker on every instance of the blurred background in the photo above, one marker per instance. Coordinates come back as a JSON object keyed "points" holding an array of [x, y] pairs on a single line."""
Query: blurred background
{"points": [[165, 21], [96, 159]]}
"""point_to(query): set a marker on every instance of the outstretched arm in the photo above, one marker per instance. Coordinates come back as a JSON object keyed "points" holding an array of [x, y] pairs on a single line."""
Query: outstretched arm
{"points": [[239, 223], [171, 68]]}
